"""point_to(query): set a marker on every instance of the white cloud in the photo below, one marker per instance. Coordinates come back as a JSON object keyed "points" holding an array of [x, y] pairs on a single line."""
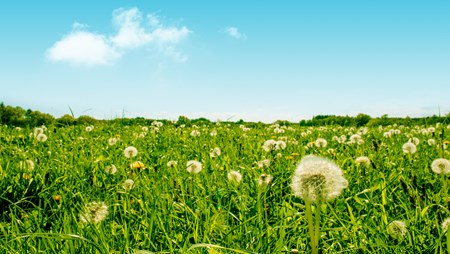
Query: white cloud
{"points": [[83, 48], [234, 32], [86, 48]]}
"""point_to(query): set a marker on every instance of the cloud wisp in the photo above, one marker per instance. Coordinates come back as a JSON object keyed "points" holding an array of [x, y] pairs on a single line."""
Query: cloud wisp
{"points": [[82, 47], [235, 33]]}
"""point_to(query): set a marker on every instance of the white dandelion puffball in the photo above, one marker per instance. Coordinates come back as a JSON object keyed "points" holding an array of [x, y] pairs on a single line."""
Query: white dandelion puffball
{"points": [[214, 152], [318, 179], [264, 179], [195, 133], [441, 166], [112, 141], [362, 160], [41, 137], [321, 142], [263, 163], [94, 212], [414, 140], [130, 152], [193, 166], [431, 142], [269, 145], [89, 128], [38, 131], [397, 229], [111, 169], [27, 165], [234, 176], [128, 184], [445, 224], [172, 164], [409, 147]]}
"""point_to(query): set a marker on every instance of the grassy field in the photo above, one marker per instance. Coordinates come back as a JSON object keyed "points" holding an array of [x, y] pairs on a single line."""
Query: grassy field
{"points": [[218, 188]]}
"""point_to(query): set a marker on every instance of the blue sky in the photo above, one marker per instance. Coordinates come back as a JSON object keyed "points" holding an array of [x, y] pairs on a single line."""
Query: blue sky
{"points": [[251, 60]]}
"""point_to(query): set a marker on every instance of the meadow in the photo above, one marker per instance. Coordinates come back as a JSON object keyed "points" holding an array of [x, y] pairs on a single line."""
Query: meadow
{"points": [[219, 188]]}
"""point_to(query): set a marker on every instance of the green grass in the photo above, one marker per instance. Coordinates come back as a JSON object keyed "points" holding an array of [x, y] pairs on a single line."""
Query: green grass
{"points": [[169, 210]]}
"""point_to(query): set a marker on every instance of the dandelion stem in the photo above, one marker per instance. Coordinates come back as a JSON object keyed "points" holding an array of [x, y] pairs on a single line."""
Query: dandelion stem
{"points": [[317, 225], [309, 216]]}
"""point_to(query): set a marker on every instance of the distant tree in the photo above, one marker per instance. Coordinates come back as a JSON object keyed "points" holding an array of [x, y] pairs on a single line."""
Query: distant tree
{"points": [[12, 115], [86, 120], [183, 120], [37, 118], [66, 120], [362, 119]]}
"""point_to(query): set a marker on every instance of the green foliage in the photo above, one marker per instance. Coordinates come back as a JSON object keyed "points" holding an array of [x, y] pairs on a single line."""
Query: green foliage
{"points": [[169, 210]]}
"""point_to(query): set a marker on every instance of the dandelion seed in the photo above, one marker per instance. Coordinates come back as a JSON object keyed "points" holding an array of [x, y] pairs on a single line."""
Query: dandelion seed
{"points": [[445, 224], [128, 185], [111, 169], [193, 166], [130, 152], [397, 229], [409, 148], [94, 212], [172, 164], [362, 160], [264, 179], [321, 142], [318, 179], [214, 152], [41, 137], [441, 166], [234, 176]]}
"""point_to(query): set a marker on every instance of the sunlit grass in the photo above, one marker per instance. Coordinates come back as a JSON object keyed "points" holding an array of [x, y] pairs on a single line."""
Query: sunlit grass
{"points": [[168, 209]]}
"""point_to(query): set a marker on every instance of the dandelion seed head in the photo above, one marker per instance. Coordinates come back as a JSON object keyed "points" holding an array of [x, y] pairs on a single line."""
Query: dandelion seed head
{"points": [[321, 142], [112, 141], [38, 131], [130, 152], [414, 140], [409, 148], [397, 229], [193, 166], [111, 169], [441, 166], [234, 176], [41, 137], [94, 212], [264, 179], [445, 224], [89, 128], [128, 184], [172, 164], [362, 160], [318, 179], [214, 152]]}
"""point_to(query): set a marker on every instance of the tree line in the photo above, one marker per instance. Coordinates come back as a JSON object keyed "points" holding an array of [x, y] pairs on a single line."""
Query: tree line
{"points": [[17, 116]]}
